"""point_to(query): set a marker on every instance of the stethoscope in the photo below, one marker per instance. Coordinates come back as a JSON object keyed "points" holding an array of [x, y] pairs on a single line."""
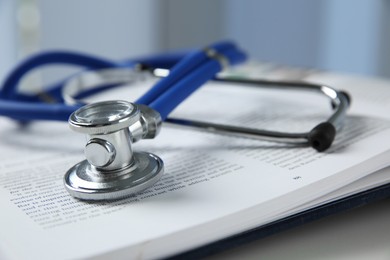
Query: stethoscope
{"points": [[112, 170]]}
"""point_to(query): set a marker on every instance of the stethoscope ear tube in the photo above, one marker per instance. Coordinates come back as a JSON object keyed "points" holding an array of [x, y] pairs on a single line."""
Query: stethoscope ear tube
{"points": [[320, 137]]}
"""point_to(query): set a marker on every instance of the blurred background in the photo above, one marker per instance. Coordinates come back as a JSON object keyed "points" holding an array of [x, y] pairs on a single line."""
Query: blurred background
{"points": [[349, 36]]}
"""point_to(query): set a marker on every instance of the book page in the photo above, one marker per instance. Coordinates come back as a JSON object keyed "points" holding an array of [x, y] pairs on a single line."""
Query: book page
{"points": [[214, 184]]}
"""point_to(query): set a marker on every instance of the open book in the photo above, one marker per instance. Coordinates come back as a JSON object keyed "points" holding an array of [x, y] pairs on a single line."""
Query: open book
{"points": [[214, 186]]}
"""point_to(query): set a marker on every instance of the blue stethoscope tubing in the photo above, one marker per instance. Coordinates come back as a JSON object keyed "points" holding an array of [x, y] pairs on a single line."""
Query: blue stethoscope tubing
{"points": [[188, 71]]}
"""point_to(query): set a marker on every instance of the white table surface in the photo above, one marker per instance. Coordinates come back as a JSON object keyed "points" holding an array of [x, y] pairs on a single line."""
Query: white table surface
{"points": [[362, 233]]}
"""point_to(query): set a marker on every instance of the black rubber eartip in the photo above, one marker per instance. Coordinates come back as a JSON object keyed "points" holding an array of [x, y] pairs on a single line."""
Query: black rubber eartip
{"points": [[321, 137], [346, 95]]}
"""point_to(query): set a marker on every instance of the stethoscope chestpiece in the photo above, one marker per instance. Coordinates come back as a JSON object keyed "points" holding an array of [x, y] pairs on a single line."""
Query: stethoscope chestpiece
{"points": [[112, 170]]}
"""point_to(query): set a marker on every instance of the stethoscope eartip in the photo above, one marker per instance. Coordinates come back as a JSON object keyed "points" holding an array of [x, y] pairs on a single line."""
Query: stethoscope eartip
{"points": [[321, 137]]}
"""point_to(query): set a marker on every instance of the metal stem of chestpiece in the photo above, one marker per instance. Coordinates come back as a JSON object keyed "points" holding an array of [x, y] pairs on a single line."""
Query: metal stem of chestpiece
{"points": [[112, 170]]}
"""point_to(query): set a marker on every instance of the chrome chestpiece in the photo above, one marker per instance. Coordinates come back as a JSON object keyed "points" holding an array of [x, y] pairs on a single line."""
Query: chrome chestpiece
{"points": [[112, 170]]}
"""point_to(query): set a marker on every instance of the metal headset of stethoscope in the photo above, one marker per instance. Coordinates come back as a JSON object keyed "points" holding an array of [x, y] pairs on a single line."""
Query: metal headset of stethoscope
{"points": [[112, 170]]}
